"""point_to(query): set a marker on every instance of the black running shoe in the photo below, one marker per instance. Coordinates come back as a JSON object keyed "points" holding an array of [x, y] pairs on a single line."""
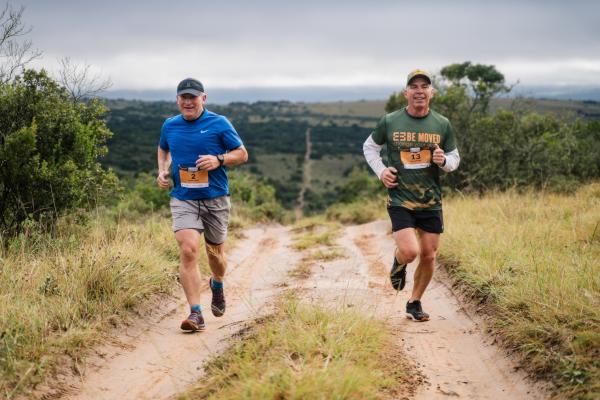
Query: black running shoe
{"points": [[217, 304], [193, 323], [415, 311], [398, 275]]}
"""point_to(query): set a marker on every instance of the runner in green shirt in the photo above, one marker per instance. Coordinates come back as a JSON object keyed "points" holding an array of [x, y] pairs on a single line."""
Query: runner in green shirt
{"points": [[420, 142]]}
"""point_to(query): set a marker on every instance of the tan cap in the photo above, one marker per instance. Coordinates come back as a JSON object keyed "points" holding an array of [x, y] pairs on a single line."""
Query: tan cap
{"points": [[418, 73]]}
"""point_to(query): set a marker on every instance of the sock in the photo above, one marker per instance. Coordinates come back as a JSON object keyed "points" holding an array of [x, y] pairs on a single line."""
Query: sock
{"points": [[196, 308], [216, 285]]}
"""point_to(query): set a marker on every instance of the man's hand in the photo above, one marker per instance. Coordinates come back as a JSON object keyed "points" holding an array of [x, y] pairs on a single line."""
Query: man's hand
{"points": [[207, 163], [163, 180], [388, 177], [438, 156]]}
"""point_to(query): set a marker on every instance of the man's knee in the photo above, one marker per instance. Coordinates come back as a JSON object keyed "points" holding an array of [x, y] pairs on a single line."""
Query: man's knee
{"points": [[428, 256], [188, 250], [408, 255]]}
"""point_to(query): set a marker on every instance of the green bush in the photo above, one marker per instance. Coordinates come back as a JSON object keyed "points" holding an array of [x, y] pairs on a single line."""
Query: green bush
{"points": [[49, 152], [254, 199]]}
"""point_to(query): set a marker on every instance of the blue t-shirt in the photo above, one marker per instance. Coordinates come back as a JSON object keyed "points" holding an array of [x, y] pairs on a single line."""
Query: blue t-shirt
{"points": [[186, 140]]}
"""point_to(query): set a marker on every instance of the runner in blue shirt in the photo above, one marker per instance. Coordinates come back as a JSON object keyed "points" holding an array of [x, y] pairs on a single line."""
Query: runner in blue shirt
{"points": [[196, 146]]}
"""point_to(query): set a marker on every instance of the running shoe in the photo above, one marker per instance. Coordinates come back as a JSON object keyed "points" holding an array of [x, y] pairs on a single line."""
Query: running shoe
{"points": [[193, 323], [217, 304], [415, 311], [398, 275]]}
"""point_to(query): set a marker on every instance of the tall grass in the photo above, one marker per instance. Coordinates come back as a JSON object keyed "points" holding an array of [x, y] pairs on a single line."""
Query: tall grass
{"points": [[308, 352], [60, 292], [533, 261], [359, 211]]}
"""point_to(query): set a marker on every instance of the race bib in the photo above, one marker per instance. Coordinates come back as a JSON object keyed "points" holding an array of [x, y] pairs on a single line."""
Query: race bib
{"points": [[192, 177], [415, 158]]}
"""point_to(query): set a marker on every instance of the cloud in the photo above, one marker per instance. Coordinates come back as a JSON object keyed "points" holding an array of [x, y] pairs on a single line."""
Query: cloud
{"points": [[152, 44]]}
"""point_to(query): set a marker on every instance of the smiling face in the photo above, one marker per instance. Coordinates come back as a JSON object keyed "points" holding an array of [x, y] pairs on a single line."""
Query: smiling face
{"points": [[191, 106], [418, 93]]}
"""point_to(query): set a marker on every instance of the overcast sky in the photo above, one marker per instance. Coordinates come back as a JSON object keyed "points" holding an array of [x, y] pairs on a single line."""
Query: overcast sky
{"points": [[153, 44]]}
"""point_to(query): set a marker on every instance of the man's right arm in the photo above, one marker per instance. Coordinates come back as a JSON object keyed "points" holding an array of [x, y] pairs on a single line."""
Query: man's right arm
{"points": [[372, 152], [164, 163]]}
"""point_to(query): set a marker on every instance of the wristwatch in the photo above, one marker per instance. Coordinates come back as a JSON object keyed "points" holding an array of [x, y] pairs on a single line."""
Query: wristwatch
{"points": [[221, 159]]}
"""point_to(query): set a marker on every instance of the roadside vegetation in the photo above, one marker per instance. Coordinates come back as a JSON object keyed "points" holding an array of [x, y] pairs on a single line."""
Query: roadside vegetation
{"points": [[308, 352], [62, 289], [530, 259], [61, 292]]}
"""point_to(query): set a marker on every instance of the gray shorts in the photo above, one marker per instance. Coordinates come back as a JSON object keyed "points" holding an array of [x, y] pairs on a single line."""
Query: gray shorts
{"points": [[210, 216]]}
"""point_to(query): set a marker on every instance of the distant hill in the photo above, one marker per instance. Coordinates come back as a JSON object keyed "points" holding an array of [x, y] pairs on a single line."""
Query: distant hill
{"points": [[341, 93], [274, 135]]}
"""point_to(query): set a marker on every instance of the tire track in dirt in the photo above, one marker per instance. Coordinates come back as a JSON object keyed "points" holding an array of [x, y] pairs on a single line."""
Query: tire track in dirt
{"points": [[160, 361], [452, 351]]}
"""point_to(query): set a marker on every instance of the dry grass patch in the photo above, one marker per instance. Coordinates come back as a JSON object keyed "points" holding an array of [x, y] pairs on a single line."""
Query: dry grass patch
{"points": [[532, 260], [60, 294], [309, 352], [313, 232]]}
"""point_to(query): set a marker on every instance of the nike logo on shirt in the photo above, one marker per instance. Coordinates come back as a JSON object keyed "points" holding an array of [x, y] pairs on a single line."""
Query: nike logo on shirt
{"points": [[203, 131]]}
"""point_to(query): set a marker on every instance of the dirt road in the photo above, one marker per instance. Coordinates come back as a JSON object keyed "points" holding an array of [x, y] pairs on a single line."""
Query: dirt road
{"points": [[161, 361], [452, 351], [456, 359]]}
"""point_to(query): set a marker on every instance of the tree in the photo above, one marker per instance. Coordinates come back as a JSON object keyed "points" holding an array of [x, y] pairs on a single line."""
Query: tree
{"points": [[49, 152], [79, 81], [14, 56], [484, 81]]}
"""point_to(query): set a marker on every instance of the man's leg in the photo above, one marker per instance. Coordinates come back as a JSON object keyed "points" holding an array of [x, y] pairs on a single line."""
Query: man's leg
{"points": [[218, 265], [407, 246], [429, 244], [216, 260], [188, 240]]}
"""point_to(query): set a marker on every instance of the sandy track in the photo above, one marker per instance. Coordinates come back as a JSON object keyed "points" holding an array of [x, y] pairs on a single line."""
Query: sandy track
{"points": [[456, 357], [162, 361]]}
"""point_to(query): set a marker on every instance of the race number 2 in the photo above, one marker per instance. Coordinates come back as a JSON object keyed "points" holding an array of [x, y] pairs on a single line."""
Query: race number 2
{"points": [[192, 177]]}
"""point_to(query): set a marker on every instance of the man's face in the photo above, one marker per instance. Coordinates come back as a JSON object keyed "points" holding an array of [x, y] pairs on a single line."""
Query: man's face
{"points": [[418, 93], [190, 106]]}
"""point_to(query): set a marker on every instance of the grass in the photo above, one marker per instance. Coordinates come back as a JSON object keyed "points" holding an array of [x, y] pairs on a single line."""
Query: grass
{"points": [[313, 232], [304, 268], [60, 294], [328, 171], [358, 212], [316, 236], [308, 352], [373, 108], [532, 261], [328, 254]]}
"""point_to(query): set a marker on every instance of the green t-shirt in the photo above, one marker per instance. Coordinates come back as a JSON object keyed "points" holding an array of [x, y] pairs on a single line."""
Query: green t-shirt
{"points": [[410, 144]]}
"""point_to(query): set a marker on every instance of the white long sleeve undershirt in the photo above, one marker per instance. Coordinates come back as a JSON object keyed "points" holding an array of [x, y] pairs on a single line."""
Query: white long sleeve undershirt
{"points": [[372, 152]]}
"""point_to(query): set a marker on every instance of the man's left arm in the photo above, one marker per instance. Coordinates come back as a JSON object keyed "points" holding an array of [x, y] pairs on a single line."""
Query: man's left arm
{"points": [[449, 161], [235, 157]]}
